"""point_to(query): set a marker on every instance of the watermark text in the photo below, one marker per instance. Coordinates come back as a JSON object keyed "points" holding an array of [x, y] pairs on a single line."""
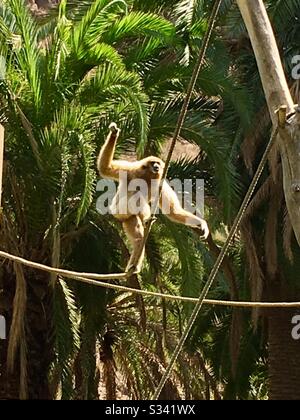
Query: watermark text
{"points": [[2, 328], [296, 329], [296, 68], [132, 196]]}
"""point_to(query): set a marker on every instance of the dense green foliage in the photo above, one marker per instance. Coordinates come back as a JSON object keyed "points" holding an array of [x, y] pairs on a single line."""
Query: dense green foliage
{"points": [[69, 73]]}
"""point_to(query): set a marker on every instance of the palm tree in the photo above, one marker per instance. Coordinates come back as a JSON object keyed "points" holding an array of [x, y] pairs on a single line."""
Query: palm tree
{"points": [[69, 74], [66, 79]]}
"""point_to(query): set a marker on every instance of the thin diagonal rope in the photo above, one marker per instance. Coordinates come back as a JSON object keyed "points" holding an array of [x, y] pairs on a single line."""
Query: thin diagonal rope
{"points": [[216, 267], [182, 116]]}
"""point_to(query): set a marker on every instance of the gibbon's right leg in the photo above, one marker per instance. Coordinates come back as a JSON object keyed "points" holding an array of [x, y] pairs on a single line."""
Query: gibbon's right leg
{"points": [[134, 230]]}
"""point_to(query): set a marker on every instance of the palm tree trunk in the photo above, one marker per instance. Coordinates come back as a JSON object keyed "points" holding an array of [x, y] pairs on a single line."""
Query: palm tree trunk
{"points": [[9, 383], [39, 339], [41, 335], [284, 366]]}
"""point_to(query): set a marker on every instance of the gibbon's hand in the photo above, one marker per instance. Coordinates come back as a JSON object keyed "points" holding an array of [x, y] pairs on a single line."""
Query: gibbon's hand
{"points": [[114, 128], [202, 230]]}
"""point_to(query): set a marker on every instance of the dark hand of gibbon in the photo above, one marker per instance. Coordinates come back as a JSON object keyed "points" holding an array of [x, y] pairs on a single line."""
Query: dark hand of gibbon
{"points": [[148, 169]]}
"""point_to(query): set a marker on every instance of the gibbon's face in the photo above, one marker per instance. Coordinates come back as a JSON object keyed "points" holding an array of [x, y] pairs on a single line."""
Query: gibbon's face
{"points": [[152, 167]]}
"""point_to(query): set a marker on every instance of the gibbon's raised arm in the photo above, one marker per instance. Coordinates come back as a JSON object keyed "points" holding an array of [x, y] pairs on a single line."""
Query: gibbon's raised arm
{"points": [[108, 167]]}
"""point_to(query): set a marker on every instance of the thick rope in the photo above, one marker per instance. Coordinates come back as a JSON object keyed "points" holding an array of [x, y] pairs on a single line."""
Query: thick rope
{"points": [[212, 302], [62, 272], [87, 278], [182, 116], [216, 266]]}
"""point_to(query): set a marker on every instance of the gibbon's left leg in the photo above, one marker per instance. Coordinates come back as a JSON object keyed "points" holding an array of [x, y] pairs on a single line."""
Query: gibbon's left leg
{"points": [[172, 208], [134, 230]]}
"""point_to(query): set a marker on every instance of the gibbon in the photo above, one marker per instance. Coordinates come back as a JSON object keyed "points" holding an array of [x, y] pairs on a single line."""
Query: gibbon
{"points": [[142, 173]]}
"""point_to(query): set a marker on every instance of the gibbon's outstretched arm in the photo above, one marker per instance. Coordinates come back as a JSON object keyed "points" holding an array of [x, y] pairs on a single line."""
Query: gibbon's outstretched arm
{"points": [[171, 207]]}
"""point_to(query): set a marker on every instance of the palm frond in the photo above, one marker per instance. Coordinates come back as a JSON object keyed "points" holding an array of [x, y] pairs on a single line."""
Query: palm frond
{"points": [[29, 52], [115, 85], [67, 317], [89, 179], [137, 24], [95, 11]]}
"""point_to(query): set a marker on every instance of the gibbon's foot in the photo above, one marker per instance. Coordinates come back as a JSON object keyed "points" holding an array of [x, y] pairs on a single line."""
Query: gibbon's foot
{"points": [[113, 127], [149, 222], [132, 269]]}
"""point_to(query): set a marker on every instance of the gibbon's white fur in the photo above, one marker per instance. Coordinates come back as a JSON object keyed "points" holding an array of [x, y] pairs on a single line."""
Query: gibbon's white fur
{"points": [[149, 169]]}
